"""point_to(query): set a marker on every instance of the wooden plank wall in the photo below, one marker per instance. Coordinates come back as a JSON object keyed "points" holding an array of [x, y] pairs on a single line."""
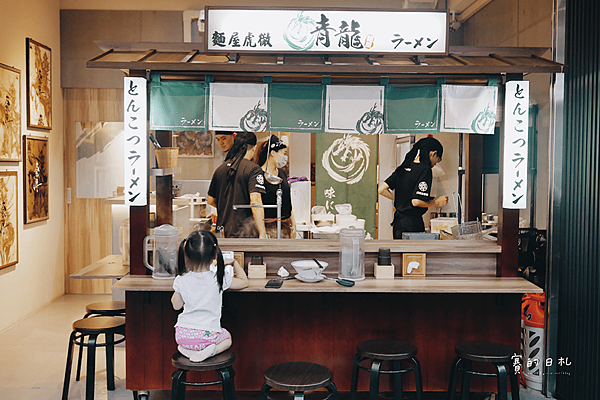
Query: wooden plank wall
{"points": [[87, 221], [269, 328]]}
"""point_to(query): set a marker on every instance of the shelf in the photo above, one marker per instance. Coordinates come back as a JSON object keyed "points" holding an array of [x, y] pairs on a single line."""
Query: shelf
{"points": [[164, 171]]}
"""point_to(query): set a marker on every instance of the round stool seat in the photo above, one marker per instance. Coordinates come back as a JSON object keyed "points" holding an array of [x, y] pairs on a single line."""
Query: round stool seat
{"points": [[485, 351], [219, 361], [99, 325], [298, 376], [107, 308], [386, 349]]}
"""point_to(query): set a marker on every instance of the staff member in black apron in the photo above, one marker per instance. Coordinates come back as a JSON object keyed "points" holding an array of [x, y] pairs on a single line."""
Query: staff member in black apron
{"points": [[411, 183], [238, 181]]}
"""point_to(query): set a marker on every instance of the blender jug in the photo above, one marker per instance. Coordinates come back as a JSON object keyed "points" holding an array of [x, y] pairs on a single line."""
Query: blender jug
{"points": [[352, 254], [164, 265]]}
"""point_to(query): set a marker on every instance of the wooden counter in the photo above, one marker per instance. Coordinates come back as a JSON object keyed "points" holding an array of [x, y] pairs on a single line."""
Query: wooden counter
{"points": [[444, 257], [369, 285], [323, 322], [109, 267]]}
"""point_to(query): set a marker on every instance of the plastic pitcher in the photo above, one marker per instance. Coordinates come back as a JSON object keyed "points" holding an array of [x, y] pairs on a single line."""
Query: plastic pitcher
{"points": [[164, 265], [352, 254]]}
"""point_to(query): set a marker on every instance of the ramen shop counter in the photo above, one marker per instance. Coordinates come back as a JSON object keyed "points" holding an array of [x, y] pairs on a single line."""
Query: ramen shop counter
{"points": [[369, 285]]}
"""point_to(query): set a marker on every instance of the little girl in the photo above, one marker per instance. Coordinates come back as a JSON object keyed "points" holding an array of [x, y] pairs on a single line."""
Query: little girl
{"points": [[199, 290]]}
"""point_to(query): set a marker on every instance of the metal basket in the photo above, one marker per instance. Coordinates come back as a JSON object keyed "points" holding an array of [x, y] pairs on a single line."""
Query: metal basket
{"points": [[467, 231]]}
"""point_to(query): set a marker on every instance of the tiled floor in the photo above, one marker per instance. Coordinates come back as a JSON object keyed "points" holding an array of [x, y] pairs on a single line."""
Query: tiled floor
{"points": [[33, 355]]}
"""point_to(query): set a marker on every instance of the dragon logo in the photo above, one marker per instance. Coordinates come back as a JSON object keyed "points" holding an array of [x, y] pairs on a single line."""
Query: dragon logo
{"points": [[300, 32], [347, 159]]}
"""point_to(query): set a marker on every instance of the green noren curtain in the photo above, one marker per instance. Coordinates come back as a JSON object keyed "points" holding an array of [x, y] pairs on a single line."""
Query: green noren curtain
{"points": [[346, 168], [412, 109], [296, 108], [178, 106]]}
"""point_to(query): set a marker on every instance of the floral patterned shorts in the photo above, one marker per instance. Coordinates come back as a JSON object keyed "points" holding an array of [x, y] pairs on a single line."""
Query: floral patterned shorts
{"points": [[198, 339]]}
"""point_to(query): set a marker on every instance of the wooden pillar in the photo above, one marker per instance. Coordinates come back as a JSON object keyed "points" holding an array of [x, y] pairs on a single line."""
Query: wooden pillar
{"points": [[474, 177], [164, 185], [508, 220]]}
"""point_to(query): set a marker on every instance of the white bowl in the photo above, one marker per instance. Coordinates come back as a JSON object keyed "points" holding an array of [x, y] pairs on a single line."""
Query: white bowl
{"points": [[345, 208], [308, 269]]}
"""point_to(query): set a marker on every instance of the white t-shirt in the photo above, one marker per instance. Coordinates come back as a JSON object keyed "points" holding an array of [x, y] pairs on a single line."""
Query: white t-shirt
{"points": [[202, 300]]}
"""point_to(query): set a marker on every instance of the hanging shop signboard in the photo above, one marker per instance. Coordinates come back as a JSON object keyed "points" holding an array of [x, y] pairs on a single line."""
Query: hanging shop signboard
{"points": [[136, 142], [326, 31], [516, 144]]}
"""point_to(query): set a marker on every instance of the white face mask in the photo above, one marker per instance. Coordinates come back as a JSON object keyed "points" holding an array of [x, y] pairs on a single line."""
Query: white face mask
{"points": [[281, 163]]}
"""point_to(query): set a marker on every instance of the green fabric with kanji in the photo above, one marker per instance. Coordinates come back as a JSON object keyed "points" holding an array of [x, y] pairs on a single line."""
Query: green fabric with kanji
{"points": [[296, 108], [412, 109], [346, 172], [178, 106]]}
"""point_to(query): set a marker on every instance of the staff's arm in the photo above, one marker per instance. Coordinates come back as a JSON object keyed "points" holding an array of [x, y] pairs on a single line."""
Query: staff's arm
{"points": [[259, 214], [384, 190], [439, 202]]}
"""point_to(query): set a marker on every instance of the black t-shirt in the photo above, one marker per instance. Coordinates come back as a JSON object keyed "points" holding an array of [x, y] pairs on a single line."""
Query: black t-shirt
{"points": [[271, 197], [413, 183], [249, 179]]}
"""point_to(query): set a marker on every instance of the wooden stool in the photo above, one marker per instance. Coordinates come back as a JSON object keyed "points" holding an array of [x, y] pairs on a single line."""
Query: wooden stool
{"points": [[105, 308], [496, 353], [101, 308], [298, 377], [379, 350], [92, 327], [221, 363]]}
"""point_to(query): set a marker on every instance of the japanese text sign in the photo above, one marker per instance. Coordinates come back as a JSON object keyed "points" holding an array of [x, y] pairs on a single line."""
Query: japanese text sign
{"points": [[329, 31], [136, 142], [516, 144]]}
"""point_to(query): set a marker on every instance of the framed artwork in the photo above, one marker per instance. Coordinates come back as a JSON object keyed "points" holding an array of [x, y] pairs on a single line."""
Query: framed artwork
{"points": [[35, 176], [9, 254], [10, 113], [195, 143], [39, 85]]}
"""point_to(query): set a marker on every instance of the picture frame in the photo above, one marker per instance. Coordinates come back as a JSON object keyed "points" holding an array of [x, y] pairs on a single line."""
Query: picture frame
{"points": [[411, 269], [35, 179], [200, 144], [39, 85], [9, 240], [10, 113]]}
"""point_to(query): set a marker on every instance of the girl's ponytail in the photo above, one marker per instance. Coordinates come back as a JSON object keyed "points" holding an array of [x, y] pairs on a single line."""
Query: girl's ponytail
{"points": [[220, 267], [181, 269]]}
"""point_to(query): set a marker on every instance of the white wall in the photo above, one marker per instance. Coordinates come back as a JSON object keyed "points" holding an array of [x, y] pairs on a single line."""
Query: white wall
{"points": [[38, 278]]}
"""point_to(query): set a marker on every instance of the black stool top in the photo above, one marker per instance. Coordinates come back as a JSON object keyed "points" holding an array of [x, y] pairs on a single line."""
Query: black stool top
{"points": [[298, 376], [219, 361], [99, 325], [106, 307], [386, 349], [485, 351]]}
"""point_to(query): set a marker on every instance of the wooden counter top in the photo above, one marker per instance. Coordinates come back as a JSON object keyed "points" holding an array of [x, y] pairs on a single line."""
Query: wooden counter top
{"points": [[141, 283], [110, 267], [371, 246]]}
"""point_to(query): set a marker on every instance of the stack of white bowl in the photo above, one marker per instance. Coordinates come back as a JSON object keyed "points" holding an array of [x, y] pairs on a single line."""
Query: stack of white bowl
{"points": [[345, 218]]}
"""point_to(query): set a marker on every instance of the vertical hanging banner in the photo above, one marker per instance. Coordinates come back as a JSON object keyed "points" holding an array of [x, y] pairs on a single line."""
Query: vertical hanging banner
{"points": [[469, 109], [346, 172], [516, 145], [238, 107], [354, 109], [136, 142]]}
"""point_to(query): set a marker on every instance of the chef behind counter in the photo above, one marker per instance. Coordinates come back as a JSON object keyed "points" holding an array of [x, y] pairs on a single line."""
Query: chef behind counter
{"points": [[239, 181]]}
